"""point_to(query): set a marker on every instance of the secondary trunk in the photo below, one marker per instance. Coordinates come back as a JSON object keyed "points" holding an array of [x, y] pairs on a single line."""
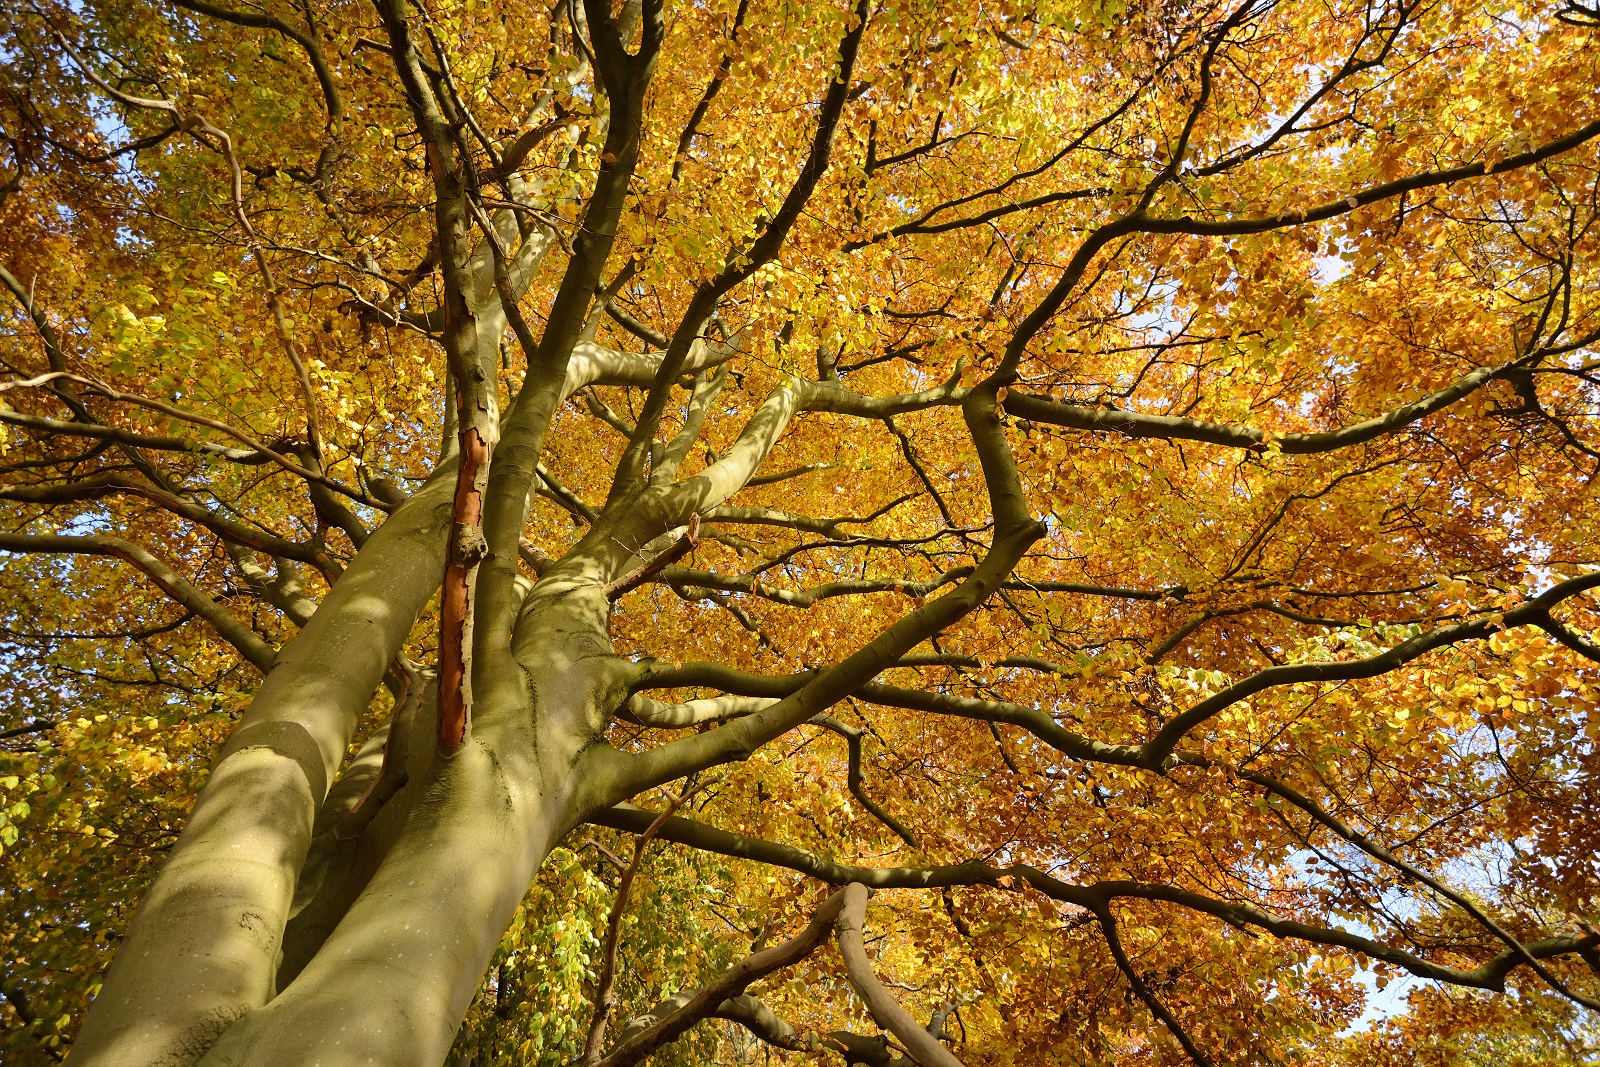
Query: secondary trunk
{"points": [[202, 951], [393, 980]]}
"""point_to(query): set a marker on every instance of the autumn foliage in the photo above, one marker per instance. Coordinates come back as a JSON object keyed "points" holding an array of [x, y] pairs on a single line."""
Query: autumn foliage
{"points": [[601, 484]]}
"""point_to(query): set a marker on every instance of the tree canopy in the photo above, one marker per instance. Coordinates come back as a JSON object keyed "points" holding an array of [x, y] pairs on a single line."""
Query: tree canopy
{"points": [[865, 531]]}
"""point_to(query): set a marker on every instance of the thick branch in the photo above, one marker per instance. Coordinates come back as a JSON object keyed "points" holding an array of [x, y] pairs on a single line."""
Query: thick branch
{"points": [[660, 716], [1490, 974], [1015, 532], [1167, 427], [179, 588], [741, 266], [887, 1011]]}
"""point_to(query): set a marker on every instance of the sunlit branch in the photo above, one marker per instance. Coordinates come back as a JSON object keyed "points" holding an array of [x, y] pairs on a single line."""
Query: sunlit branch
{"points": [[706, 389], [625, 78], [805, 598], [282, 591], [1015, 532], [742, 263], [1116, 592], [654, 713], [552, 489], [885, 1009]]}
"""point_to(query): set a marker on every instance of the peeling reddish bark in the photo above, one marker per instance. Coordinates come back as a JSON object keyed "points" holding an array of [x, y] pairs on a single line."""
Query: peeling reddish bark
{"points": [[455, 598]]}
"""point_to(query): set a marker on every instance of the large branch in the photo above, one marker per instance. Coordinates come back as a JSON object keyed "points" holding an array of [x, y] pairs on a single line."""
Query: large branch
{"points": [[706, 389], [281, 590], [1015, 532], [625, 78], [760, 1020], [1490, 974], [1034, 720], [669, 1020], [211, 922], [442, 119], [652, 514], [1170, 428], [743, 263], [885, 1009], [665, 507], [661, 716], [180, 589]]}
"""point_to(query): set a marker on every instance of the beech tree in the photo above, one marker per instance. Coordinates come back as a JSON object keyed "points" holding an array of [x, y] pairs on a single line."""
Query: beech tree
{"points": [[881, 530]]}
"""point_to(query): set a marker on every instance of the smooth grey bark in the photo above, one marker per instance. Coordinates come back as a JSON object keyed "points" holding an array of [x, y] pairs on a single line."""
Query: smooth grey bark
{"points": [[358, 825], [532, 768], [420, 936], [888, 1012], [212, 921]]}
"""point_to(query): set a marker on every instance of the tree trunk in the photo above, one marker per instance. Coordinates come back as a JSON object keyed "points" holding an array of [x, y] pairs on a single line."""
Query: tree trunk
{"points": [[212, 923], [393, 980]]}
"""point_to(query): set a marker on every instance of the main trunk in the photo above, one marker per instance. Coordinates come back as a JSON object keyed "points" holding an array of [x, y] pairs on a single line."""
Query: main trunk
{"points": [[415, 944], [393, 980], [430, 886], [202, 951]]}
